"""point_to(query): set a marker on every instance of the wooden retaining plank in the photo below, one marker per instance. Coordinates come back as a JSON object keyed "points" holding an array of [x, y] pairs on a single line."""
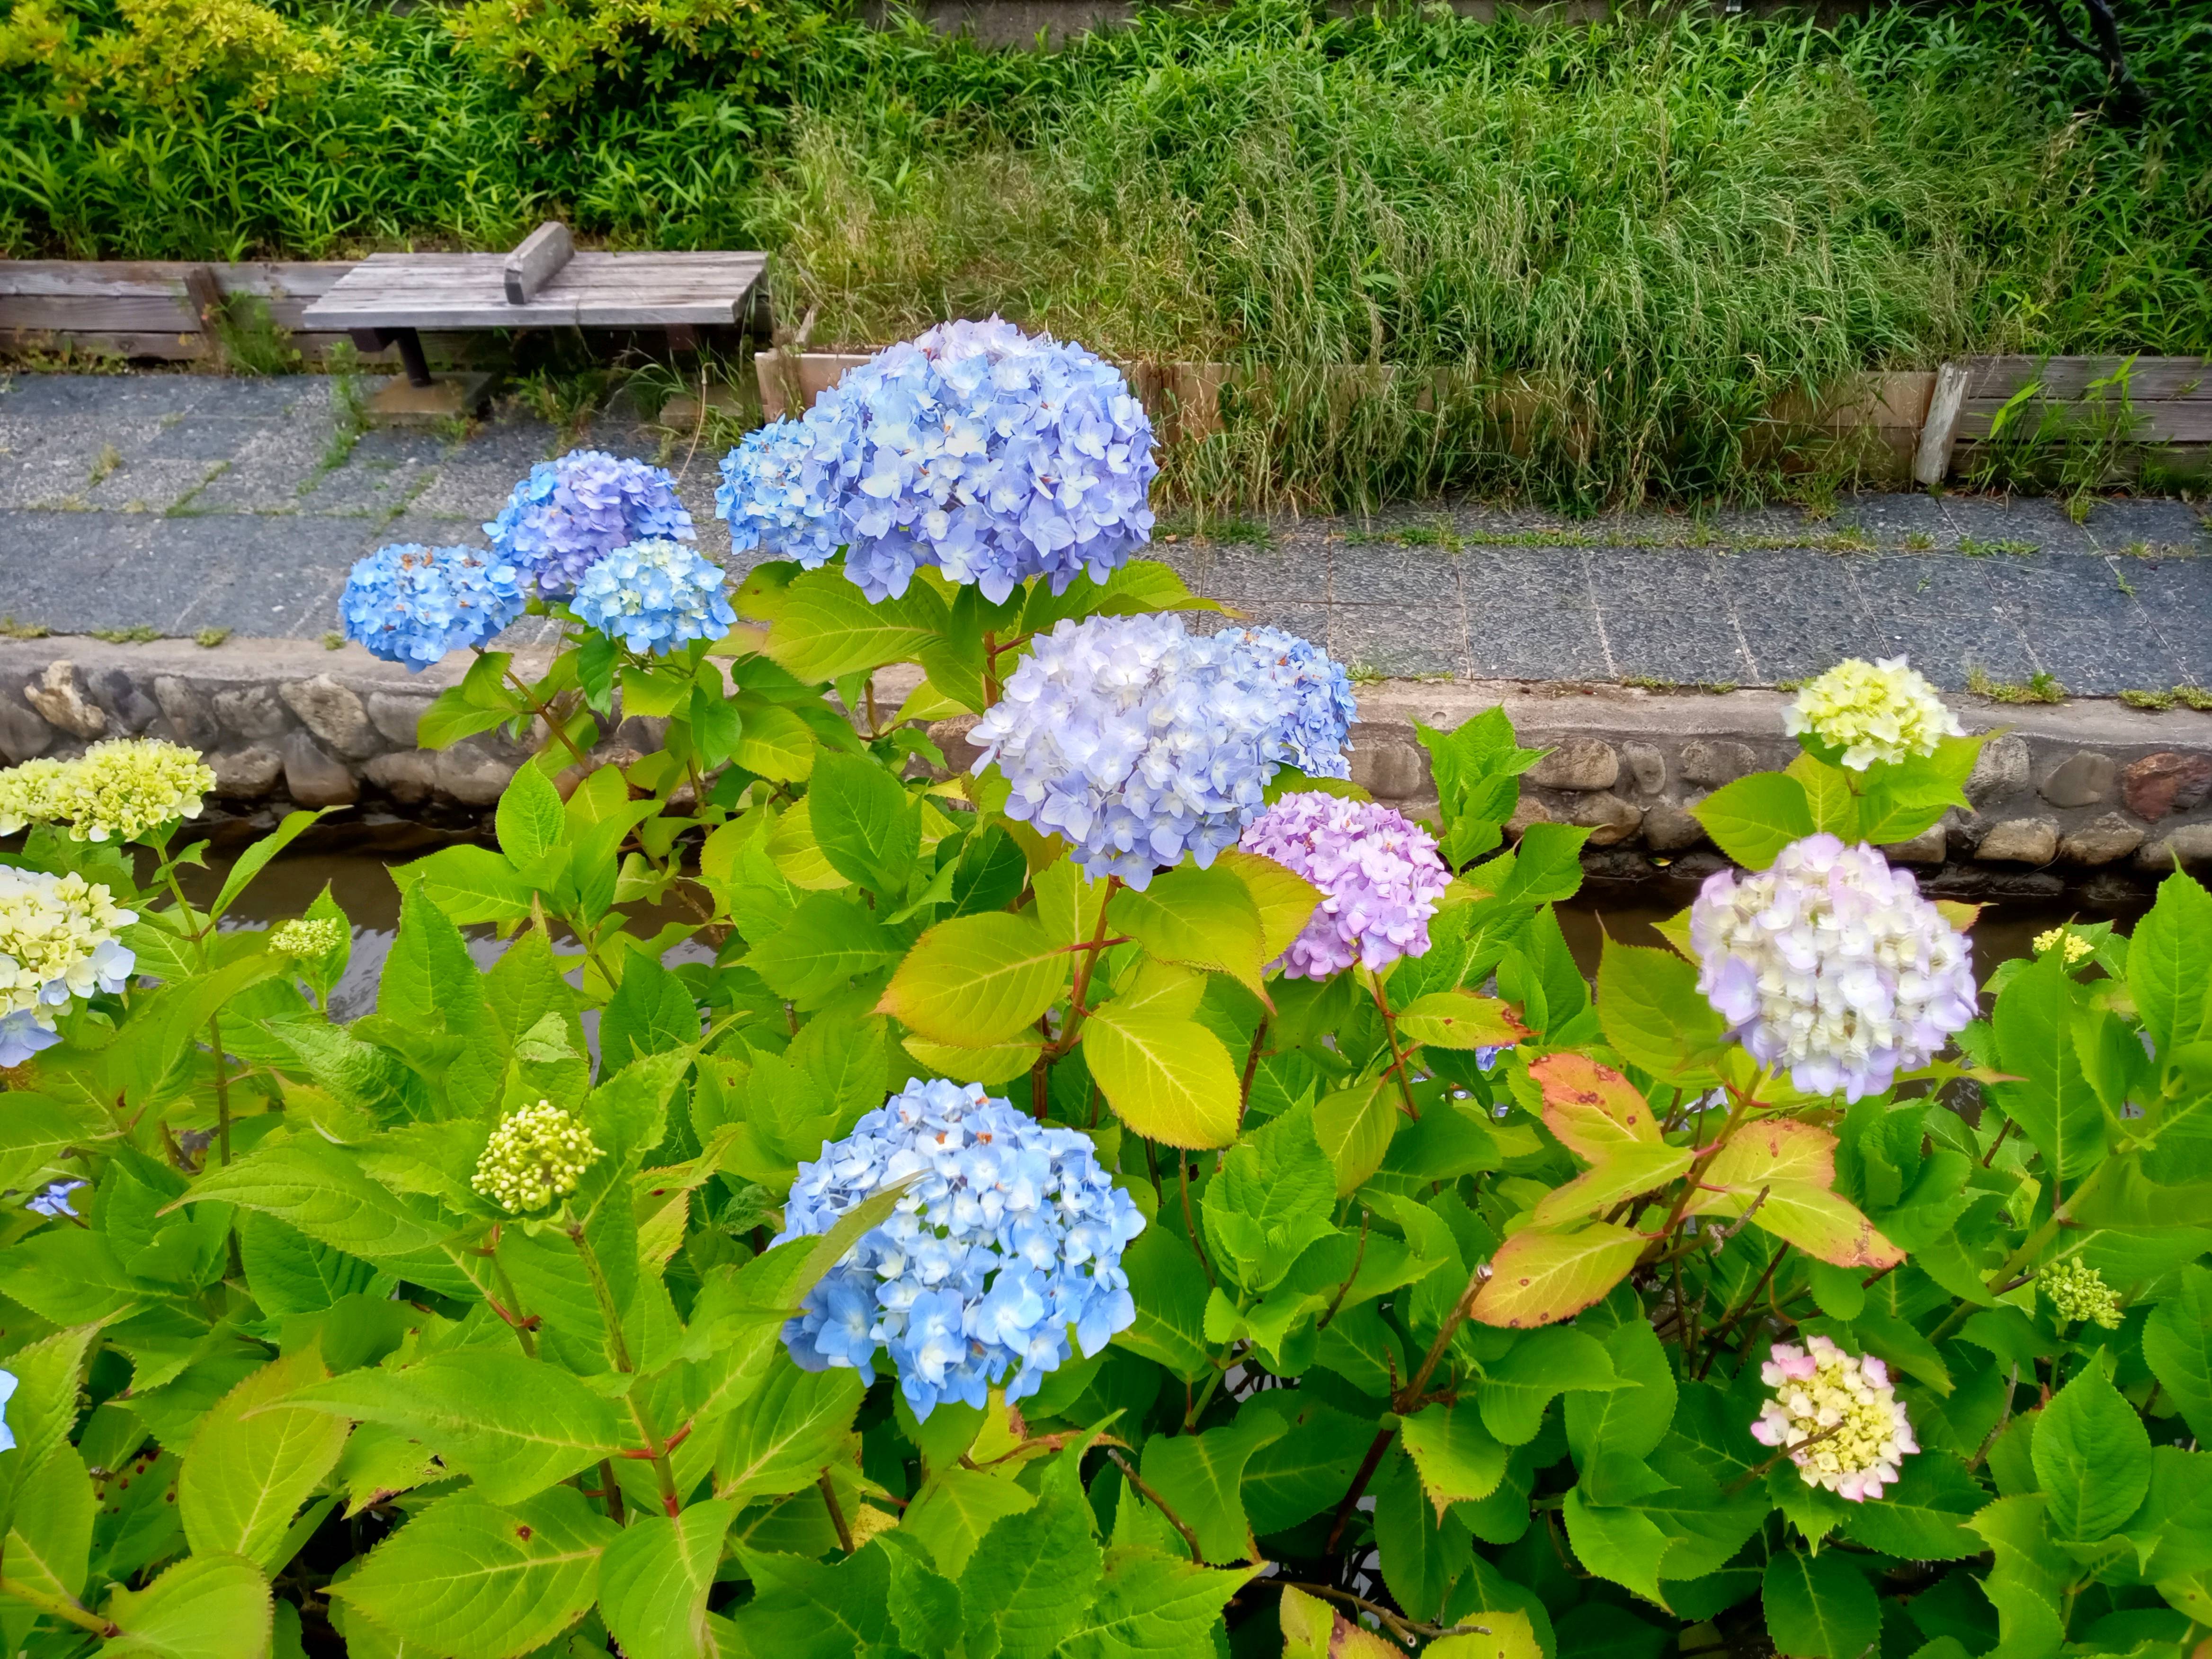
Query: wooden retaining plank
{"points": [[2153, 380]]}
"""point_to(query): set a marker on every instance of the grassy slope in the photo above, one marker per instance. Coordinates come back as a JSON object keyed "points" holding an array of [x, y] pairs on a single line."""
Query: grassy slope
{"points": [[1646, 230]]}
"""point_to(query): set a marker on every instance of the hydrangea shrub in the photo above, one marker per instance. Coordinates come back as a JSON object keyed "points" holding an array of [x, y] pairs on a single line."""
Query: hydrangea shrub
{"points": [[1135, 1198]]}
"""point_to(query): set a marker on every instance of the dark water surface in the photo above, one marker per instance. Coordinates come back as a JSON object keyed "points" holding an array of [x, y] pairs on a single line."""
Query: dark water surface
{"points": [[362, 886]]}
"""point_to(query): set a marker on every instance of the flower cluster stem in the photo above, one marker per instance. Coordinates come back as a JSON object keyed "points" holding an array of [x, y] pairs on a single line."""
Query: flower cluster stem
{"points": [[656, 1448]]}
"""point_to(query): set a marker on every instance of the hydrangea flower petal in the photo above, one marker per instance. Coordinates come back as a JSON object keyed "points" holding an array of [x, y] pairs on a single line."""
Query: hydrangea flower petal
{"points": [[655, 597], [1832, 965], [412, 605], [570, 514], [1879, 711], [56, 941], [1007, 1237], [1379, 875], [991, 455]]}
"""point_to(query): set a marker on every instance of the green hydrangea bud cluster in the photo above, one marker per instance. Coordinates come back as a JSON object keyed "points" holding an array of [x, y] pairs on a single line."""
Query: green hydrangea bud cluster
{"points": [[309, 938], [2076, 947], [2075, 1291], [115, 790], [534, 1156]]}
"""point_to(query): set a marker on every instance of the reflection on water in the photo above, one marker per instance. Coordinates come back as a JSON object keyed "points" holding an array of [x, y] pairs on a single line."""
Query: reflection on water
{"points": [[362, 885]]}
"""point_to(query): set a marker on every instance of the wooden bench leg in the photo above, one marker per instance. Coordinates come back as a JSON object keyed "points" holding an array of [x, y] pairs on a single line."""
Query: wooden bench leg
{"points": [[683, 336], [410, 350]]}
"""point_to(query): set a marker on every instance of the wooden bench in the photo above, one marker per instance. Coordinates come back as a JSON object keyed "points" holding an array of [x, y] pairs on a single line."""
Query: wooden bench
{"points": [[388, 298]]}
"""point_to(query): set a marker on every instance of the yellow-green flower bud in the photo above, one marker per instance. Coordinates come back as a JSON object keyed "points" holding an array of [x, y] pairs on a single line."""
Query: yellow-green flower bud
{"points": [[2075, 1291], [2076, 947], [535, 1156], [306, 937], [27, 793], [119, 789], [1872, 711]]}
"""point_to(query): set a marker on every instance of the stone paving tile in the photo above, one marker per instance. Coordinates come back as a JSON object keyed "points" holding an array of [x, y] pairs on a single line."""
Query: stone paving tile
{"points": [[1250, 577], [385, 470], [1949, 615], [1790, 633], [272, 472], [2176, 597], [2117, 525], [143, 485], [2035, 520], [2087, 630], [1895, 519], [1666, 617], [1530, 615], [57, 568], [258, 574]]}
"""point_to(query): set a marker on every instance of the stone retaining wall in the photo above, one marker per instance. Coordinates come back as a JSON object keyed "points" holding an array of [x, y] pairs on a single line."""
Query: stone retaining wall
{"points": [[2083, 795]]}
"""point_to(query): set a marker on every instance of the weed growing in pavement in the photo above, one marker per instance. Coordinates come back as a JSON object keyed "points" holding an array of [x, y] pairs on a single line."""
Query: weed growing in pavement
{"points": [[2040, 687]]}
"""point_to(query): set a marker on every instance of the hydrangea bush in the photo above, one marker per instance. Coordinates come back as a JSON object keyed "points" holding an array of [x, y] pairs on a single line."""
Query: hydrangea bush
{"points": [[1133, 1197]]}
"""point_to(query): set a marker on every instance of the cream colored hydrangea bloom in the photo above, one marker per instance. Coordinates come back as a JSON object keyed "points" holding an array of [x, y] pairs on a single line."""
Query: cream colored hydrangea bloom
{"points": [[306, 937], [534, 1156], [1877, 711], [2075, 1291], [127, 786], [1838, 1417], [27, 793], [56, 941]]}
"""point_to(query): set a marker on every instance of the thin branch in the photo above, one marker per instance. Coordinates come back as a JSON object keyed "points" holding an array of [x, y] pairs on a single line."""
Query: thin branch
{"points": [[1159, 1503], [1183, 1173], [1368, 1465], [1406, 1629], [836, 1513]]}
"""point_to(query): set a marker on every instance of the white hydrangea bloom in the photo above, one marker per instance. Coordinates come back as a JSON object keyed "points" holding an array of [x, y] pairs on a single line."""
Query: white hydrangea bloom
{"points": [[56, 941], [1877, 711], [1832, 964], [1836, 1412]]}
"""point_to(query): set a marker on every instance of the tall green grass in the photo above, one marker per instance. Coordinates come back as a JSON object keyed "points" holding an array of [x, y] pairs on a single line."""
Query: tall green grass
{"points": [[1592, 257]]}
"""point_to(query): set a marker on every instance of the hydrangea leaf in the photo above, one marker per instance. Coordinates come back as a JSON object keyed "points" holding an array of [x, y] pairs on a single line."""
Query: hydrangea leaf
{"points": [[1788, 1171], [2092, 1457], [513, 1426], [1033, 1575], [1819, 1606], [478, 1581], [1924, 1517], [1200, 1476], [2169, 973], [35, 1130], [976, 981], [1152, 1605], [864, 823], [829, 941], [655, 1577], [1620, 1175], [1517, 1387], [1170, 1080], [826, 627], [1458, 1459], [1424, 1554], [1198, 917], [315, 1187], [1067, 901], [1314, 1629], [1460, 1019], [1539, 1278], [1000, 1063], [957, 1507], [1755, 818], [529, 820], [1591, 1108], [2053, 1102], [1284, 899], [1353, 1128], [472, 884], [206, 1606], [1627, 1422], [1653, 1013], [1509, 1635], [1271, 1200], [49, 1540], [1622, 1544], [2177, 1344], [1306, 1469], [254, 1459], [778, 1442]]}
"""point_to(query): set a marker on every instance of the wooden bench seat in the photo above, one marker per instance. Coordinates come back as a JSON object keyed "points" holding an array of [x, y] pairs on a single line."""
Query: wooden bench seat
{"points": [[388, 298]]}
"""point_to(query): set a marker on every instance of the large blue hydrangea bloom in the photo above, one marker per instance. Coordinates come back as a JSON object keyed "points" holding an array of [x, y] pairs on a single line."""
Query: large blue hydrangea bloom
{"points": [[991, 454], [569, 513], [1137, 743], [1322, 722], [1008, 1241], [655, 596], [412, 605]]}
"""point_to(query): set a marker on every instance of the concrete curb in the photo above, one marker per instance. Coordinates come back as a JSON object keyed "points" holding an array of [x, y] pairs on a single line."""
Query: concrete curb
{"points": [[2087, 796]]}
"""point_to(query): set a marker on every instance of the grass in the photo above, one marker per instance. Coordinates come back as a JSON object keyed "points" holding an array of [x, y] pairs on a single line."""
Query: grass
{"points": [[12, 629], [2040, 687], [2189, 696], [137, 633], [1575, 264], [208, 638]]}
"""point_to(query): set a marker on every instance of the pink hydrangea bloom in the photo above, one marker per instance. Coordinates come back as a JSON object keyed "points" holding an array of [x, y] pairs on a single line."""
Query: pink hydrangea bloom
{"points": [[1836, 1412], [1379, 876]]}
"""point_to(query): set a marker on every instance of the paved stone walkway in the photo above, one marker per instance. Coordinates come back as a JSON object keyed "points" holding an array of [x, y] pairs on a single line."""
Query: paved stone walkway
{"points": [[182, 502]]}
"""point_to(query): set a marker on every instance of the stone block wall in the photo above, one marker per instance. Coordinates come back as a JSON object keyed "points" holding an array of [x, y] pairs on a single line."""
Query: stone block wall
{"points": [[2084, 795]]}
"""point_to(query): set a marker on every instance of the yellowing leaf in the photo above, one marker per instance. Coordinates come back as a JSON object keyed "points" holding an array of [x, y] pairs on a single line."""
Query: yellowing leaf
{"points": [[1459, 1460], [1621, 1174], [1313, 1629], [1593, 1108], [1460, 1019], [1000, 1063], [1354, 1126], [791, 844], [1510, 1637], [1539, 1278], [1169, 1079], [975, 981], [1285, 899], [1794, 1165], [1200, 918]]}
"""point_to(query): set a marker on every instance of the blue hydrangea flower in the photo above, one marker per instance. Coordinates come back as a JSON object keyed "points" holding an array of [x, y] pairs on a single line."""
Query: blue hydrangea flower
{"points": [[53, 1198], [991, 454], [9, 1383], [655, 596], [412, 604], [1137, 743], [22, 1035], [1322, 726], [1003, 1256], [568, 515]]}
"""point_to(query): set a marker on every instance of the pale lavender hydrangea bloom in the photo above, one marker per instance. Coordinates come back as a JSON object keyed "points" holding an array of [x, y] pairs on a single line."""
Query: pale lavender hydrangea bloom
{"points": [[1832, 964], [1006, 1243], [1325, 708], [1136, 742], [1379, 876], [1838, 1416], [992, 455], [569, 514]]}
